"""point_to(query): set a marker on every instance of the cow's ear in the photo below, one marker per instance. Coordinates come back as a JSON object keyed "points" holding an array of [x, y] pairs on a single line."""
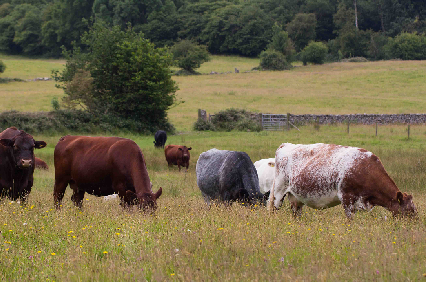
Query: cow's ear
{"points": [[39, 144], [7, 142], [159, 192], [180, 148], [400, 197], [190, 148]]}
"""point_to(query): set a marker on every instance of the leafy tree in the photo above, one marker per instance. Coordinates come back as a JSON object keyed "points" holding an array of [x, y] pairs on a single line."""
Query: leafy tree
{"points": [[324, 11], [2, 67], [282, 43], [302, 30], [28, 31], [131, 78], [273, 60], [408, 46], [314, 52], [189, 56]]}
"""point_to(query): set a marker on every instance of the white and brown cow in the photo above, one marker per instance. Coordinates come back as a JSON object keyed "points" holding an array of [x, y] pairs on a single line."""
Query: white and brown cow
{"points": [[325, 175]]}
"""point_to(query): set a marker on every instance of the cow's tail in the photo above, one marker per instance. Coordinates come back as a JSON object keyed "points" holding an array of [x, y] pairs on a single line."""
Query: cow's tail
{"points": [[270, 206]]}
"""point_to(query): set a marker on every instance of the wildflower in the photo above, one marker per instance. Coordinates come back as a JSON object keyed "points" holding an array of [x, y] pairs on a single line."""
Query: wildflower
{"points": [[377, 272], [117, 234], [105, 252], [281, 259], [172, 274], [38, 251], [53, 254], [220, 228], [70, 231]]}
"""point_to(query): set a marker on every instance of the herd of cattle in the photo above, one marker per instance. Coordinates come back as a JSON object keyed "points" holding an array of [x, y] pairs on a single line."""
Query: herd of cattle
{"points": [[316, 175]]}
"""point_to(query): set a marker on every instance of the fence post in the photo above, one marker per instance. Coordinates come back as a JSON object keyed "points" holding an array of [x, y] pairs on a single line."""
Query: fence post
{"points": [[288, 121], [408, 131]]}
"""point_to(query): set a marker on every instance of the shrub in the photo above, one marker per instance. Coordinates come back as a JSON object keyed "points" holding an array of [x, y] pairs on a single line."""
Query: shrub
{"points": [[314, 53], [273, 60], [2, 67], [355, 60], [407, 46], [203, 125], [235, 119], [189, 56]]}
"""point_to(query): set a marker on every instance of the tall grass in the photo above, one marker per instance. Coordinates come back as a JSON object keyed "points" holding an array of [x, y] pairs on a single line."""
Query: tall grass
{"points": [[187, 241]]}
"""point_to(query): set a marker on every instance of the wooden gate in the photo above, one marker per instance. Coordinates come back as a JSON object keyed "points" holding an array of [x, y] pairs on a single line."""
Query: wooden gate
{"points": [[274, 122]]}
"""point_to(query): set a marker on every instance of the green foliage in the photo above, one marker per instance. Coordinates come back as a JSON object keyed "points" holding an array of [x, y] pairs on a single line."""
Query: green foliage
{"points": [[302, 30], [282, 43], [273, 60], [235, 119], [408, 46], [78, 121], [376, 48], [129, 77], [203, 125], [189, 55], [2, 67], [314, 53]]}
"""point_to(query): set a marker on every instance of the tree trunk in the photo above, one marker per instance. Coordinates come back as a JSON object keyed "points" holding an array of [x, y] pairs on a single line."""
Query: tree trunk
{"points": [[356, 15]]}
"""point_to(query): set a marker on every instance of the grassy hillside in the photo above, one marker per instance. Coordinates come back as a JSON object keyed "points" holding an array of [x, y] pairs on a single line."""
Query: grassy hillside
{"points": [[337, 88]]}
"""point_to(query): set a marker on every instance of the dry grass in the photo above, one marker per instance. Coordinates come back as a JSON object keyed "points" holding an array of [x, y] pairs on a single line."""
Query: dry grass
{"points": [[187, 241]]}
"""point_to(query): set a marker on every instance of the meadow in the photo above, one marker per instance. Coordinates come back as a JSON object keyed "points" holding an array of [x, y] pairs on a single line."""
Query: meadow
{"points": [[185, 240]]}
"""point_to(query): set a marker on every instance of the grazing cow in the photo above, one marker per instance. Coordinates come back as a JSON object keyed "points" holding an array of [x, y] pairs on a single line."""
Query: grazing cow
{"points": [[177, 155], [265, 171], [40, 164], [102, 166], [160, 139], [324, 175], [227, 176], [17, 163]]}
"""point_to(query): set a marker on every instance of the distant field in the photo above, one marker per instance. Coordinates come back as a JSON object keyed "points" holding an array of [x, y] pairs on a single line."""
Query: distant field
{"points": [[337, 88]]}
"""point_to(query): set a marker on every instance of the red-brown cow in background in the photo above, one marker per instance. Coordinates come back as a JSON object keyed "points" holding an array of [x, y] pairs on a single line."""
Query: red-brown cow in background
{"points": [[102, 166], [39, 163], [177, 155]]}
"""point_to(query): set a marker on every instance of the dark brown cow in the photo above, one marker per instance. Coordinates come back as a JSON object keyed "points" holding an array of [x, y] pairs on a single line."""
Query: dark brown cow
{"points": [[17, 163], [177, 155], [326, 175], [40, 164], [102, 166]]}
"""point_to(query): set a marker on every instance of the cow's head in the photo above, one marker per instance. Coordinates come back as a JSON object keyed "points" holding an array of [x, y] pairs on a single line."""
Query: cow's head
{"points": [[147, 202], [185, 153], [22, 147], [406, 205]]}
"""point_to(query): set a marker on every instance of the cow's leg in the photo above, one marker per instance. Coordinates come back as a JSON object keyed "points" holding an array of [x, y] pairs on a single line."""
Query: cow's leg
{"points": [[78, 195], [296, 206], [59, 192]]}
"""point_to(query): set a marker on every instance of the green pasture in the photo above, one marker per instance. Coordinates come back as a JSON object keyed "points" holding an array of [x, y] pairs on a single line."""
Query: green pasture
{"points": [[185, 240]]}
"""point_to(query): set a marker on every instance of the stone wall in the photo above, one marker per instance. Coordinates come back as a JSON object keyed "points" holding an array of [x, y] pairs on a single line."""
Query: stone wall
{"points": [[360, 119]]}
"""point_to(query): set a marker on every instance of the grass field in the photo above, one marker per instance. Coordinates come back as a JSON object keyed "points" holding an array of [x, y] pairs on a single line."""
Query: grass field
{"points": [[186, 241]]}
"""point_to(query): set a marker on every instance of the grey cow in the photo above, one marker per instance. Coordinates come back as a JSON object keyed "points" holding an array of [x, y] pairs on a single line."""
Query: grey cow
{"points": [[228, 176]]}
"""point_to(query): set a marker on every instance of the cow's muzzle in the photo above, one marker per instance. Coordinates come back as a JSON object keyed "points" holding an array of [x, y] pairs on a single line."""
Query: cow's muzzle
{"points": [[25, 163]]}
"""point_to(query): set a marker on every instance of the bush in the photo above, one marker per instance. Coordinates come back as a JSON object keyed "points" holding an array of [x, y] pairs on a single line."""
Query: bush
{"points": [[203, 125], [78, 121], [314, 53], [189, 56], [235, 119], [273, 60], [355, 60], [407, 46], [2, 67]]}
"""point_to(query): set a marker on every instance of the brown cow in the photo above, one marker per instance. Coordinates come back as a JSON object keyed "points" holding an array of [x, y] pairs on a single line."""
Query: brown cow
{"points": [[177, 155], [325, 175], [40, 164], [102, 166], [17, 163]]}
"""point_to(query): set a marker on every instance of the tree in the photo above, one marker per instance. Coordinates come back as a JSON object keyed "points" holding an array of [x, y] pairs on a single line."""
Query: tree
{"points": [[282, 43], [189, 56], [273, 60], [302, 30], [129, 77], [315, 53], [2, 67]]}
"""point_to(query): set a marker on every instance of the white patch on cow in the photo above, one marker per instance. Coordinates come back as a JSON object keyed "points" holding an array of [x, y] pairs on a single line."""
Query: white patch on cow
{"points": [[314, 174], [110, 197], [265, 172], [361, 204]]}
